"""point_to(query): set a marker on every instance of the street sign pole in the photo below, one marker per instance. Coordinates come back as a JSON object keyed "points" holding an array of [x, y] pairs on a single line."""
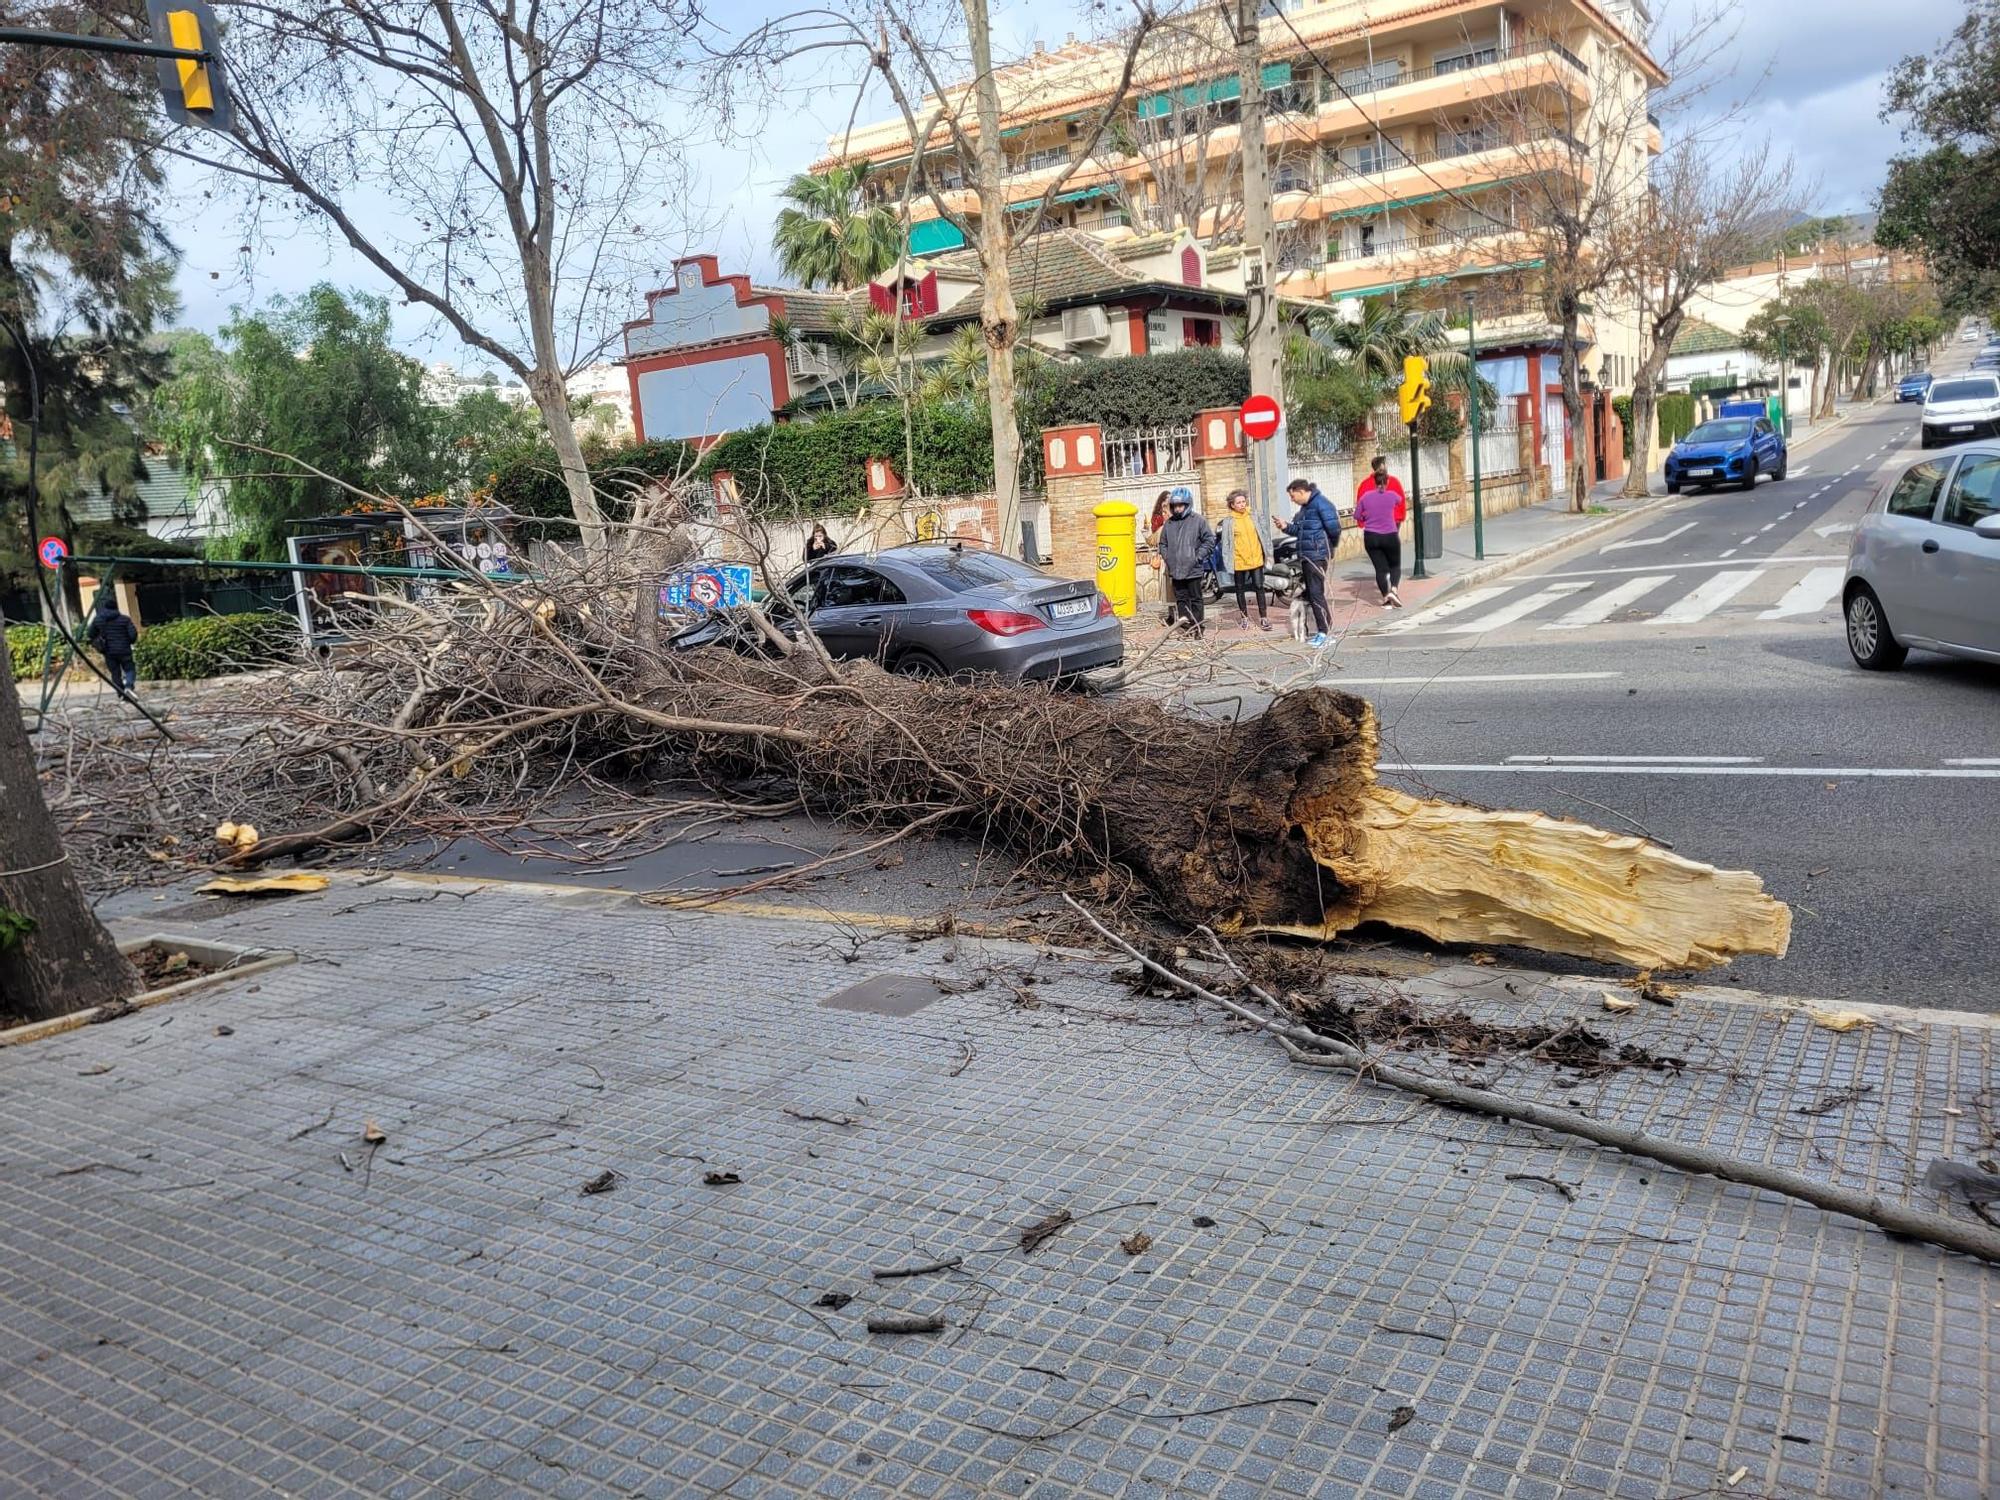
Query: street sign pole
{"points": [[1416, 506]]}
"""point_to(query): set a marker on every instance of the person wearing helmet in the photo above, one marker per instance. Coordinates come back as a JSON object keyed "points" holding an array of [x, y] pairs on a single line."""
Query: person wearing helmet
{"points": [[1186, 542]]}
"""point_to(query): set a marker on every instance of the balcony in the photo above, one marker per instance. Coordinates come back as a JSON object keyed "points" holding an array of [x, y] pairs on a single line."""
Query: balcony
{"points": [[1412, 257]]}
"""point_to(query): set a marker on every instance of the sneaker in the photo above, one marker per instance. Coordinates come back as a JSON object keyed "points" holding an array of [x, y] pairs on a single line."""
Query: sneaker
{"points": [[1317, 641], [1395, 600], [1264, 625]]}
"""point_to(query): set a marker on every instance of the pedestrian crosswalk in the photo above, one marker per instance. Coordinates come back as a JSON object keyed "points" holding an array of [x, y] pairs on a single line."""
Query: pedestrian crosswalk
{"points": [[1689, 597]]}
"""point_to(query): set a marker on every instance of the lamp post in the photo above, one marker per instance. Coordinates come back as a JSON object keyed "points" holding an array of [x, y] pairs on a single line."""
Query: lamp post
{"points": [[1472, 386]]}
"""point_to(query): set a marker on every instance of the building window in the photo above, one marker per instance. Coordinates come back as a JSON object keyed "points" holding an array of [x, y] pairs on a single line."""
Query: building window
{"points": [[1201, 333], [1291, 177], [1364, 79], [1190, 266], [1468, 57], [1048, 156]]}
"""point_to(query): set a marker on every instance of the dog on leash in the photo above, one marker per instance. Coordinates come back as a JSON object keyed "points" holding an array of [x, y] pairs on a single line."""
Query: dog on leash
{"points": [[1302, 619]]}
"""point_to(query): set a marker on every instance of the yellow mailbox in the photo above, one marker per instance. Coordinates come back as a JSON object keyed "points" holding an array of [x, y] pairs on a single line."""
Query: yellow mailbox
{"points": [[1118, 554]]}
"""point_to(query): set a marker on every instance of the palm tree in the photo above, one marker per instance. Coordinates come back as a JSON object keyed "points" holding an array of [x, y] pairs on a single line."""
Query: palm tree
{"points": [[830, 234], [1338, 369]]}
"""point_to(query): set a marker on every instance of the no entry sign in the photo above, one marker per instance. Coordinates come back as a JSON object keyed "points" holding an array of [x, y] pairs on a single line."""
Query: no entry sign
{"points": [[53, 552], [1260, 418]]}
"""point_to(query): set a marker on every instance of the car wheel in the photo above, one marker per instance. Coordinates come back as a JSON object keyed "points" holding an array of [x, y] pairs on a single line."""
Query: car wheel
{"points": [[919, 664], [1924, 438], [1868, 637], [1673, 487], [1778, 474], [1750, 475]]}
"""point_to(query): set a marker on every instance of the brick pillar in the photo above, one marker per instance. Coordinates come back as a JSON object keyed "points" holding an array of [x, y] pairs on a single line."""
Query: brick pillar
{"points": [[1220, 458], [1073, 459]]}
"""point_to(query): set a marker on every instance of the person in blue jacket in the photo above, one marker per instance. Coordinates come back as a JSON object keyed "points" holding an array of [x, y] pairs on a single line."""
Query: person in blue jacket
{"points": [[1317, 526]]}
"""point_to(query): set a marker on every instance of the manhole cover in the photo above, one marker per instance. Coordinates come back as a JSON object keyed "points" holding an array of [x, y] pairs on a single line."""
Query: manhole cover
{"points": [[886, 995]]}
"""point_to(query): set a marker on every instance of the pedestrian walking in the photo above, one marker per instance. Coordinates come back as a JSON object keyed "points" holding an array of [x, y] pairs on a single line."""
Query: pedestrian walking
{"points": [[1154, 526], [1317, 527], [1243, 556], [1378, 510], [113, 632], [1186, 542], [819, 545]]}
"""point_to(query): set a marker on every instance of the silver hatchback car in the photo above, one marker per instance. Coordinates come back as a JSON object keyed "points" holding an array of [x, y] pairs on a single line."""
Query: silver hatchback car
{"points": [[1924, 567]]}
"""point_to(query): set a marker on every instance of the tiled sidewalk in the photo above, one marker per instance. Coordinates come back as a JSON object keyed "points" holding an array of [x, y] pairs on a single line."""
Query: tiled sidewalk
{"points": [[213, 1286]]}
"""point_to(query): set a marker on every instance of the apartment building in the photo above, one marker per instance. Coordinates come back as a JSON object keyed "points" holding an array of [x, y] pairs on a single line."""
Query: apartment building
{"points": [[1405, 140]]}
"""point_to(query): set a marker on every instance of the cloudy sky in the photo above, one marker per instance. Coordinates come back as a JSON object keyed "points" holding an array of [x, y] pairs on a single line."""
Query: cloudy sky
{"points": [[1816, 68]]}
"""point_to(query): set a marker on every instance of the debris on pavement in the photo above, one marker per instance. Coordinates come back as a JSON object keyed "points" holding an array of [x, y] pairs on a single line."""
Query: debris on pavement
{"points": [[833, 1300], [1136, 1243], [294, 883], [603, 1182], [1839, 1020], [928, 1268], [1039, 1233], [1839, 1100], [373, 1134], [906, 1323], [1402, 1417], [720, 1179]]}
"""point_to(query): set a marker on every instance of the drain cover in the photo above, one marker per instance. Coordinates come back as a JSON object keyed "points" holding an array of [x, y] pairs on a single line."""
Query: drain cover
{"points": [[886, 995]]}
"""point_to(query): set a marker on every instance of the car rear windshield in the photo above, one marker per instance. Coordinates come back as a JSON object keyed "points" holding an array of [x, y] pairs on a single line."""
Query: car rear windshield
{"points": [[962, 571], [1720, 432], [1965, 390]]}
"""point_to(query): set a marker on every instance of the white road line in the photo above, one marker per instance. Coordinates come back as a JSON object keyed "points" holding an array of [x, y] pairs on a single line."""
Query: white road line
{"points": [[1830, 773], [1976, 761], [1651, 541], [1748, 540], [1809, 595], [1437, 681], [1446, 610], [1705, 600], [1507, 614], [1730, 553], [1816, 557], [1803, 469], [1599, 608], [1636, 760], [1762, 529]]}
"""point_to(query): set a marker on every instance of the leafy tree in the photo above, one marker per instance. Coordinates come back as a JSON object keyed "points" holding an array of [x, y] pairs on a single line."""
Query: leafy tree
{"points": [[310, 381], [84, 273], [1338, 369], [1794, 327], [474, 434], [1945, 200], [831, 234]]}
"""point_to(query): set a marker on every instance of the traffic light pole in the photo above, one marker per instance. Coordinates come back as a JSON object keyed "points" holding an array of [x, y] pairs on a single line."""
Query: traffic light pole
{"points": [[26, 36], [1416, 507]]}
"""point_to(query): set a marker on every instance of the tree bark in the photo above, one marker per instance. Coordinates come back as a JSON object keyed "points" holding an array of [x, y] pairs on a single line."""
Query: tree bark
{"points": [[999, 316], [64, 961], [1572, 391], [1644, 424]]}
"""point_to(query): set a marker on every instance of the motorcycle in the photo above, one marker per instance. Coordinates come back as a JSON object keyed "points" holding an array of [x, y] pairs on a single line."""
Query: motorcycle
{"points": [[1283, 578]]}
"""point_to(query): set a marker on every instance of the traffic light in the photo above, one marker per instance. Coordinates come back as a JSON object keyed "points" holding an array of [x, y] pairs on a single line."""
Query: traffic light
{"points": [[1414, 396], [194, 90]]}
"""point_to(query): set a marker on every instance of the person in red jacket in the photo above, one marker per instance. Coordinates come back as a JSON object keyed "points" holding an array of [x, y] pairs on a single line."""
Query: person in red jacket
{"points": [[1379, 507]]}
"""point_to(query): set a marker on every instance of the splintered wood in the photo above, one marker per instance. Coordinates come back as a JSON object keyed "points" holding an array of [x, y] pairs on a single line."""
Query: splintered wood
{"points": [[1471, 875]]}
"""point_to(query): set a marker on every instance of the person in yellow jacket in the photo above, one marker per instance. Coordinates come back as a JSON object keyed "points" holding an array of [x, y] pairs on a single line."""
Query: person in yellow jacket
{"points": [[1243, 555]]}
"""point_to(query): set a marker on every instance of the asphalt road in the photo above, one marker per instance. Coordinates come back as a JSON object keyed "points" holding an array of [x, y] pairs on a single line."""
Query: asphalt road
{"points": [[1689, 679]]}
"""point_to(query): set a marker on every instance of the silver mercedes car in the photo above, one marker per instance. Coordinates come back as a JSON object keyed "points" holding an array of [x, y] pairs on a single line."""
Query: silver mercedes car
{"points": [[1923, 569]]}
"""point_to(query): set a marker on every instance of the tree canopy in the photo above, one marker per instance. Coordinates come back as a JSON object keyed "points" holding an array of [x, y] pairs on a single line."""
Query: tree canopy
{"points": [[830, 234], [1944, 200]]}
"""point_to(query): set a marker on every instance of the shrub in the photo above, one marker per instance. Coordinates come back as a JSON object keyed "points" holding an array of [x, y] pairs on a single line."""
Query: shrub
{"points": [[215, 645], [529, 482], [1623, 406], [25, 644], [1676, 416], [1160, 390], [817, 467]]}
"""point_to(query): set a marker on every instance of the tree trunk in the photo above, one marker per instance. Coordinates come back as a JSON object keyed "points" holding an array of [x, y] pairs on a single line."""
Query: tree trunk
{"points": [[1572, 391], [999, 317], [63, 960], [1644, 424], [552, 400]]}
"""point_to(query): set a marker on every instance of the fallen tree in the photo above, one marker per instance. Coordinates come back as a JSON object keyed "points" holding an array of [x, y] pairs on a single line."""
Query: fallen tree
{"points": [[478, 710]]}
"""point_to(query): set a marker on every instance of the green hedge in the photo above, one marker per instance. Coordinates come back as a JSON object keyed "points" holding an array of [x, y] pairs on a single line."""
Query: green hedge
{"points": [[24, 650], [1623, 406], [1676, 416], [530, 483], [818, 467], [215, 645], [1158, 391]]}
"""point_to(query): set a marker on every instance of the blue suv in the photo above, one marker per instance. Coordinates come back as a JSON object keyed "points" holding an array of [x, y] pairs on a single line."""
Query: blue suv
{"points": [[1914, 387], [1728, 450]]}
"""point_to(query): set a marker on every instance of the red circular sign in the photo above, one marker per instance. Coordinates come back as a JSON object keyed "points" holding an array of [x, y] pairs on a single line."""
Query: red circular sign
{"points": [[1260, 418], [706, 589], [53, 552]]}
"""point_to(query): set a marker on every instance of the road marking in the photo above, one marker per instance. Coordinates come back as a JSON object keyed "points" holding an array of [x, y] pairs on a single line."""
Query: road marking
{"points": [[1507, 614], [1705, 600], [1809, 595], [1651, 541], [1597, 610], [1445, 681], [1830, 773], [1748, 540], [1730, 553], [1446, 610], [1636, 760], [1802, 469], [1835, 528], [1976, 761], [1815, 557]]}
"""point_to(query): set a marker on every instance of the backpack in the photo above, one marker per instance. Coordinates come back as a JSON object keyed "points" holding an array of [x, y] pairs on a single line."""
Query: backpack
{"points": [[1213, 562]]}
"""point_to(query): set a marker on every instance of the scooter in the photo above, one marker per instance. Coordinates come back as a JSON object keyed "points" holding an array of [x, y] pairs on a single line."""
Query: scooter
{"points": [[1283, 579]]}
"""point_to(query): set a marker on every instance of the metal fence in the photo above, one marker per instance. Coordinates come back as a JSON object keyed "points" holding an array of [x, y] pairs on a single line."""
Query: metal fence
{"points": [[1139, 462], [1500, 450]]}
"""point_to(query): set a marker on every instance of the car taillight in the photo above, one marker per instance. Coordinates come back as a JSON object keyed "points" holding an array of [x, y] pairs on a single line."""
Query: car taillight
{"points": [[1103, 604], [1004, 621]]}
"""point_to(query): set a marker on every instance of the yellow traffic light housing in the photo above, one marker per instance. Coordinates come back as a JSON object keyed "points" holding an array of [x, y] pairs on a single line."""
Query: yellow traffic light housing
{"points": [[192, 85], [1414, 396]]}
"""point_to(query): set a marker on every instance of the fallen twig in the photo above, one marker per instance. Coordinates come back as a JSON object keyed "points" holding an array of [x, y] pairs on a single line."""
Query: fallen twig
{"points": [[1832, 1102], [896, 1273], [906, 1323], [800, 1114], [1568, 1192], [1314, 1049]]}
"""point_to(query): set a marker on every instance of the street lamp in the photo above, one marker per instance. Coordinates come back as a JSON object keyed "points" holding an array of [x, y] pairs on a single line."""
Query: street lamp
{"points": [[1472, 359], [1781, 322]]}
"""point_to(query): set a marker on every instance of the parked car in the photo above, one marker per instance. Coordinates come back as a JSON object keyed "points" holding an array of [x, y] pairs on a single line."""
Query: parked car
{"points": [[1914, 387], [936, 610], [1967, 406], [1986, 359], [1923, 569], [1728, 450]]}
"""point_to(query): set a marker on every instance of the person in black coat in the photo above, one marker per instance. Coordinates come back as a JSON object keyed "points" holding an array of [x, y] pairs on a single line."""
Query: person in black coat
{"points": [[819, 545], [113, 633]]}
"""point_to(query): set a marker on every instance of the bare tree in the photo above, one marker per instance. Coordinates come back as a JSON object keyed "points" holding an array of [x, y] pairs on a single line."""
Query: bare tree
{"points": [[1701, 217], [964, 119], [1196, 184], [496, 163]]}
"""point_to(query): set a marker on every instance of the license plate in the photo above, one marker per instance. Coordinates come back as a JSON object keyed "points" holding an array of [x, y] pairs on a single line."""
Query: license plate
{"points": [[1961, 427], [1069, 609], [1701, 473]]}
